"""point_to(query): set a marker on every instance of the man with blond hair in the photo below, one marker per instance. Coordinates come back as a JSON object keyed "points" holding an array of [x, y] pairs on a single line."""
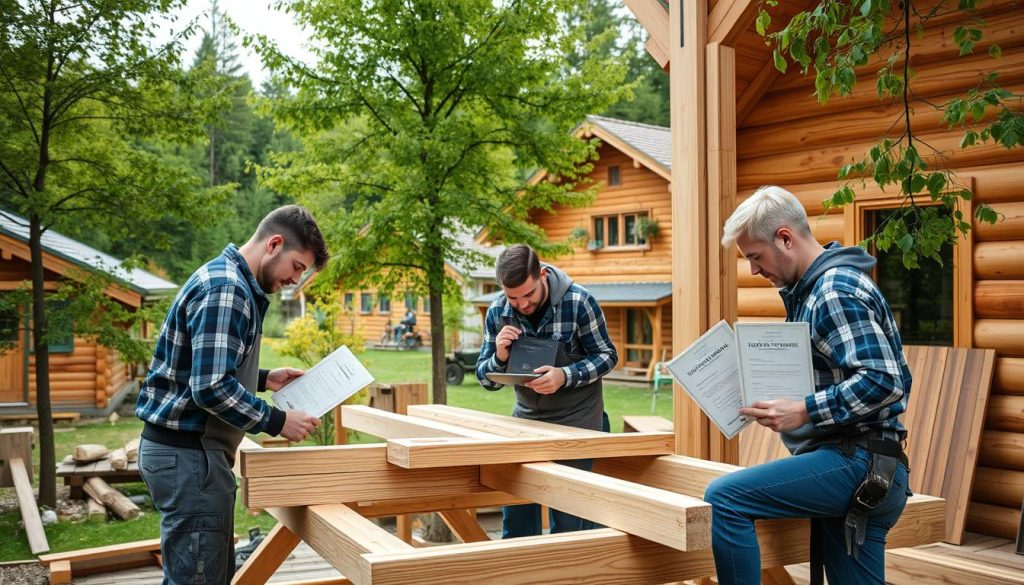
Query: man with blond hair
{"points": [[848, 473]]}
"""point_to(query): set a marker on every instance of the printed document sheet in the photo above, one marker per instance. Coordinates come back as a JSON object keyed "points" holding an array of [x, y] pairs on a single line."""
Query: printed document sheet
{"points": [[325, 385]]}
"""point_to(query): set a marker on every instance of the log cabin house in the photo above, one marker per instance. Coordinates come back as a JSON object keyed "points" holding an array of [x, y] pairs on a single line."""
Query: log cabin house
{"points": [[737, 123], [85, 377]]}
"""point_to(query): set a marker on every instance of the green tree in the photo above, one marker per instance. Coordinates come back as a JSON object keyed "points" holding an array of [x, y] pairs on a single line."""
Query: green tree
{"points": [[421, 119], [83, 85], [838, 36]]}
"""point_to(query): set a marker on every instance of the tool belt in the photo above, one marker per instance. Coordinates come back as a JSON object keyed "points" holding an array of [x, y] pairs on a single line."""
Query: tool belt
{"points": [[886, 456]]}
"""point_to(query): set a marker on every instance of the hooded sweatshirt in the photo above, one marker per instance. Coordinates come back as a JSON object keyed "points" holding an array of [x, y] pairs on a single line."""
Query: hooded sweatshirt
{"points": [[573, 318], [861, 379]]}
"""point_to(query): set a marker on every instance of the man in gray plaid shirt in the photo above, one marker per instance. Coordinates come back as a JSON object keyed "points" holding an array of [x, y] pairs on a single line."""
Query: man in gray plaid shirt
{"points": [[539, 300]]}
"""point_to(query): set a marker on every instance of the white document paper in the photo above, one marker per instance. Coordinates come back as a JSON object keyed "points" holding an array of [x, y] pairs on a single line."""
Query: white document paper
{"points": [[709, 372], [325, 385], [726, 370], [776, 360]]}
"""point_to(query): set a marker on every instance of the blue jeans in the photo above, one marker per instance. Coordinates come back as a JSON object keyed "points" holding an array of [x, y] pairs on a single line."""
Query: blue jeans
{"points": [[524, 519], [817, 485], [194, 491]]}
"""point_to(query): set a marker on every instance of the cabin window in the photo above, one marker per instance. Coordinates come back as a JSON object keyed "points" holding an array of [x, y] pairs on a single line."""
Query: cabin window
{"points": [[347, 304], [10, 325], [489, 288], [620, 230], [61, 328], [384, 305], [411, 301], [365, 303], [921, 300], [614, 176]]}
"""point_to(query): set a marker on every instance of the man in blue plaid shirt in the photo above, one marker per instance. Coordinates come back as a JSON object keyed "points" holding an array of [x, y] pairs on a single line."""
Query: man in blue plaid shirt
{"points": [[862, 385], [539, 300], [199, 400]]}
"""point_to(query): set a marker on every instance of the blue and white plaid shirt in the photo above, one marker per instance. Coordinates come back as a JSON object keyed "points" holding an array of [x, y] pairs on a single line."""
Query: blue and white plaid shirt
{"points": [[862, 382], [575, 320], [210, 329]]}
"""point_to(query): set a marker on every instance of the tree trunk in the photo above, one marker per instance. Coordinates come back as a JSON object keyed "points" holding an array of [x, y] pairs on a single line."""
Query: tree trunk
{"points": [[435, 529], [436, 278], [47, 459]]}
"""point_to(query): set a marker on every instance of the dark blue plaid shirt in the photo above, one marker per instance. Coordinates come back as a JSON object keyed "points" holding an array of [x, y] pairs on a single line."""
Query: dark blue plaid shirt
{"points": [[210, 329], [862, 382]]}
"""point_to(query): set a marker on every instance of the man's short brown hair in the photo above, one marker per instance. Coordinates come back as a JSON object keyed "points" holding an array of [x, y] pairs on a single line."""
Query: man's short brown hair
{"points": [[296, 224], [515, 264]]}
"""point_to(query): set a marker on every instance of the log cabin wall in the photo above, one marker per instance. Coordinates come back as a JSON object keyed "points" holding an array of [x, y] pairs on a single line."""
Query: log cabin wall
{"points": [[87, 377], [640, 190], [789, 139]]}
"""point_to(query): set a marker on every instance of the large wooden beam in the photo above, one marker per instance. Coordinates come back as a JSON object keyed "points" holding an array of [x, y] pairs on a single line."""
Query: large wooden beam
{"points": [[29, 511], [421, 505], [446, 452], [341, 536], [654, 18], [496, 424], [610, 557], [463, 524], [729, 18], [294, 461], [688, 38], [268, 556], [337, 488], [669, 518], [389, 425]]}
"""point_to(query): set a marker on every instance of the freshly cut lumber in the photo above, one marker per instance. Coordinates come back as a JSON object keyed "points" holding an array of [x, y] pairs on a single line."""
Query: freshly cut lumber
{"points": [[267, 557], [464, 525], [341, 536], [444, 452], [928, 566], [87, 453], [632, 423], [609, 557], [496, 424], [399, 506], [676, 520], [29, 511], [118, 459], [131, 449], [15, 442], [261, 462], [389, 425], [60, 573], [111, 498], [331, 488]]}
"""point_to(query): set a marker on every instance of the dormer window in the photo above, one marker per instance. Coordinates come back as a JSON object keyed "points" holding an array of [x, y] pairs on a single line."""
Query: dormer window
{"points": [[614, 176]]}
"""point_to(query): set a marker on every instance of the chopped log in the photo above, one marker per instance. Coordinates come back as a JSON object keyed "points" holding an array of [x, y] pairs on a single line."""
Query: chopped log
{"points": [[87, 453], [111, 498], [131, 449], [97, 511], [119, 459]]}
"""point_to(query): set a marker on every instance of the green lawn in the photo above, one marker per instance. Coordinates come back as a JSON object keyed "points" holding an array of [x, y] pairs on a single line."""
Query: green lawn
{"points": [[386, 366]]}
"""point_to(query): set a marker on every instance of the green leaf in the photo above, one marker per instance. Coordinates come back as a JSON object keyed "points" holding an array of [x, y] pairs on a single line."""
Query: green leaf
{"points": [[865, 8], [780, 61], [936, 183], [763, 20], [995, 52]]}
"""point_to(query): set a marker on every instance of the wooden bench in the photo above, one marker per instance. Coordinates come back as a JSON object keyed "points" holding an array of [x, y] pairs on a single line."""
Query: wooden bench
{"points": [[75, 474], [643, 424]]}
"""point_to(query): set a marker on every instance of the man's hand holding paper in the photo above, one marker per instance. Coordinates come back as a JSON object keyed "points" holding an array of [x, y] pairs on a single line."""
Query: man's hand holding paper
{"points": [[280, 378], [778, 415]]}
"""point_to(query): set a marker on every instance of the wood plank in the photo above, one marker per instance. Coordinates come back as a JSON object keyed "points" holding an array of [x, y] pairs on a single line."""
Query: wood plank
{"points": [[496, 424], [933, 567], [610, 557], [638, 423], [389, 425], [101, 552], [729, 19], [654, 18], [341, 536], [15, 442], [267, 557], [676, 520], [313, 460], [446, 452], [464, 525], [29, 511], [336, 488], [420, 505], [60, 573]]}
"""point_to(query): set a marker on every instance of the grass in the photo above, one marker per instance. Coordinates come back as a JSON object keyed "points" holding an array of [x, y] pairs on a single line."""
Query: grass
{"points": [[386, 366]]}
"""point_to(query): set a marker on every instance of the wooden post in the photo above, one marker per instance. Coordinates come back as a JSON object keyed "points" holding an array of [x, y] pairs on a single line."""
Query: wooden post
{"points": [[267, 557], [340, 432], [721, 271], [687, 38]]}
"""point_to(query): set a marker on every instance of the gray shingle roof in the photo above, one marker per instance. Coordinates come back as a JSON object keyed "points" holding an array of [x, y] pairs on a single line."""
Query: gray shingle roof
{"points": [[466, 239], [145, 283], [610, 292], [654, 141]]}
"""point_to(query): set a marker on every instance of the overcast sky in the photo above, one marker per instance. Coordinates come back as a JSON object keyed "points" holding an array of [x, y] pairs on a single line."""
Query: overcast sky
{"points": [[253, 16]]}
